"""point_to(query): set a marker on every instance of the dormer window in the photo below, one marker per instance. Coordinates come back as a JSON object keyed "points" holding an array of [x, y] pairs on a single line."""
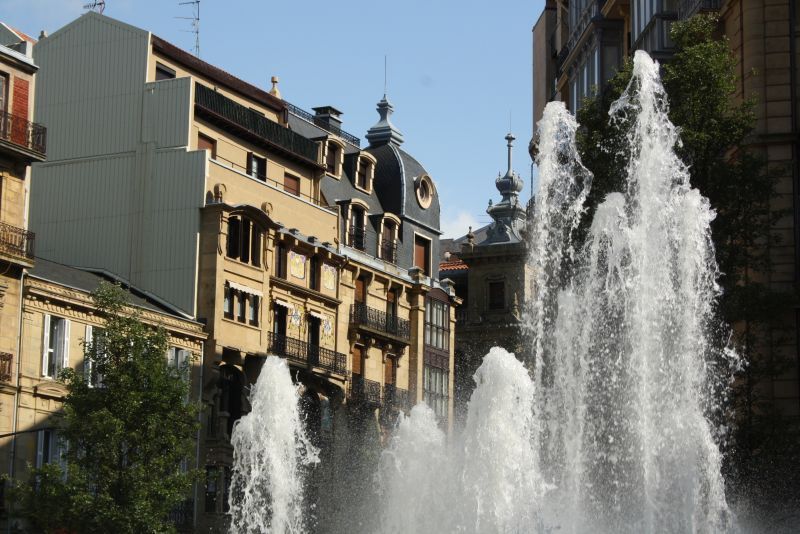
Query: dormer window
{"points": [[425, 191], [388, 244], [365, 173], [356, 231], [333, 156]]}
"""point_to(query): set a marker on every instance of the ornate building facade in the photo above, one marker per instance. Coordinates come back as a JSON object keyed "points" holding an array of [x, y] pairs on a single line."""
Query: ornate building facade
{"points": [[268, 224]]}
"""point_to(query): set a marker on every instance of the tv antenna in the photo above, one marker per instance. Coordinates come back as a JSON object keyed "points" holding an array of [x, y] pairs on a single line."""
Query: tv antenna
{"points": [[98, 6], [195, 23]]}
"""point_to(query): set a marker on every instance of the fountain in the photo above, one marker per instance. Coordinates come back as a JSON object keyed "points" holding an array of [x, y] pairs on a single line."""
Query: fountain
{"points": [[608, 429], [271, 450]]}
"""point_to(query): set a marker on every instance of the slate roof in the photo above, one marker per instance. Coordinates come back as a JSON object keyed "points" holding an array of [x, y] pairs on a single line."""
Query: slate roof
{"points": [[84, 280]]}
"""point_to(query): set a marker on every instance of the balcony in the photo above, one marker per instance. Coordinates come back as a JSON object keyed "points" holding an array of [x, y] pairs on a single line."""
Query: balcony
{"points": [[16, 242], [357, 238], [363, 391], [388, 251], [25, 137], [249, 124], [305, 115], [380, 322], [395, 398], [306, 354]]}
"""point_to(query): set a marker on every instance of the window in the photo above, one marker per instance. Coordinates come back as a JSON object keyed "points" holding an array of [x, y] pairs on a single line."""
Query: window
{"points": [[357, 234], [361, 291], [422, 254], [435, 385], [228, 306], [257, 167], [313, 330], [50, 448], [241, 316], [424, 187], [291, 184], [280, 261], [178, 361], [332, 159], [388, 250], [313, 273], [163, 72], [437, 324], [362, 176], [244, 240], [497, 295], [279, 320], [254, 309], [205, 142], [55, 346], [94, 351], [212, 475]]}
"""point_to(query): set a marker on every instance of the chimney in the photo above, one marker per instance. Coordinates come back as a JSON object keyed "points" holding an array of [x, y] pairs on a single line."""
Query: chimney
{"points": [[328, 117]]}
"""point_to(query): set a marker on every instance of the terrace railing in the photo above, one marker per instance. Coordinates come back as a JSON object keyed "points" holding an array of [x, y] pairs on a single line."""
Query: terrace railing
{"points": [[363, 315], [306, 353], [23, 133], [16, 241]]}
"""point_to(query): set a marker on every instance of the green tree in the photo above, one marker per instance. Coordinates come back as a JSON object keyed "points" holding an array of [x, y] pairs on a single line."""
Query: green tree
{"points": [[700, 80], [126, 439]]}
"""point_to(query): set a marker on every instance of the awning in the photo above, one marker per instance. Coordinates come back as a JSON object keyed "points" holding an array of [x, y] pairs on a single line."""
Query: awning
{"points": [[245, 289], [316, 314], [281, 302]]}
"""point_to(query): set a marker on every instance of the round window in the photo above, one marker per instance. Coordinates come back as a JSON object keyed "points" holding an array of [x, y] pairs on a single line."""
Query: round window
{"points": [[424, 191]]}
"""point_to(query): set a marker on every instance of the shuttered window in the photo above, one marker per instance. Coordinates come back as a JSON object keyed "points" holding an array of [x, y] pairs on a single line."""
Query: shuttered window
{"points": [[291, 184], [422, 254], [358, 356]]}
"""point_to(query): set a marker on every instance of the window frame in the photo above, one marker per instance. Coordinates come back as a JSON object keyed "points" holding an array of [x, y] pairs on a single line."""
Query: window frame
{"points": [[55, 354], [244, 240], [166, 72]]}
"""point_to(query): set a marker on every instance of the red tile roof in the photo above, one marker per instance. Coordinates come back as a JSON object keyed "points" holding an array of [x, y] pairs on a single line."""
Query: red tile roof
{"points": [[454, 265], [22, 35]]}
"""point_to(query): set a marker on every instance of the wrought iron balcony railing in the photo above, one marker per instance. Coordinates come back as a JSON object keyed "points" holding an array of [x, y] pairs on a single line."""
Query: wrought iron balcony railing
{"points": [[395, 398], [361, 390], [218, 107], [363, 315], [21, 132], [388, 251], [303, 114], [16, 241], [312, 355], [357, 238]]}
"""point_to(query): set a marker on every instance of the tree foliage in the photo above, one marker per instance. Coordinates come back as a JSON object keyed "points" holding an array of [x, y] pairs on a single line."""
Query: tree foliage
{"points": [[700, 80], [126, 439]]}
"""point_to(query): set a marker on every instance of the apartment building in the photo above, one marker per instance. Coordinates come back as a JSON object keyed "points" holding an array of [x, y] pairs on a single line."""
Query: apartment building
{"points": [[579, 44], [59, 317], [268, 224], [22, 142]]}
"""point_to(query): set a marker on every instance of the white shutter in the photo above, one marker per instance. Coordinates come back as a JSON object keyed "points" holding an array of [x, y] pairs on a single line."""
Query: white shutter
{"points": [[65, 353], [87, 360], [40, 448], [45, 344]]}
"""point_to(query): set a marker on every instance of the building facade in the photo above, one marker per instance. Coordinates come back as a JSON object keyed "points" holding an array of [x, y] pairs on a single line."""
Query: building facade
{"points": [[268, 224], [579, 44], [491, 273], [22, 142]]}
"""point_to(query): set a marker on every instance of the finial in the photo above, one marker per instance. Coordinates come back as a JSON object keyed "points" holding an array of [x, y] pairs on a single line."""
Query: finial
{"points": [[42, 35], [274, 91], [510, 138], [470, 236]]}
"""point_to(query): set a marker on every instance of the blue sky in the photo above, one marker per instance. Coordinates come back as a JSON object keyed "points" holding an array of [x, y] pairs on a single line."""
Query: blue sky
{"points": [[458, 71]]}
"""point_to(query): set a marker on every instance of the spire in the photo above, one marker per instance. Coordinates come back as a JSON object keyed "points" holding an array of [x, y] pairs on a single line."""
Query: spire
{"points": [[508, 214], [384, 131], [510, 184], [510, 138]]}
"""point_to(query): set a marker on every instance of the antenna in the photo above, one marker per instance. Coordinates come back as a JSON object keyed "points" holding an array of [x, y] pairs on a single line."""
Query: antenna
{"points": [[99, 6], [195, 23], [385, 76]]}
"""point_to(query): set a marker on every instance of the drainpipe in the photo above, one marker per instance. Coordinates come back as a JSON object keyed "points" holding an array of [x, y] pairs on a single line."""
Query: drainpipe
{"points": [[795, 154], [14, 417], [199, 432]]}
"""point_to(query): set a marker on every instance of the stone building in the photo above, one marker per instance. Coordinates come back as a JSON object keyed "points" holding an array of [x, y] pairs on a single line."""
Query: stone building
{"points": [[577, 45], [491, 275], [268, 224], [58, 317], [22, 142]]}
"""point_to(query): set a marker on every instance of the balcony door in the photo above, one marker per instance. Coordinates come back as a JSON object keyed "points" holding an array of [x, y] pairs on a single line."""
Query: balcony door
{"points": [[358, 360], [389, 371], [312, 338]]}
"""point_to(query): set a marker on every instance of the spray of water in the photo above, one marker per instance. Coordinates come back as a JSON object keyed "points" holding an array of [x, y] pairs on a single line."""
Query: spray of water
{"points": [[271, 450]]}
